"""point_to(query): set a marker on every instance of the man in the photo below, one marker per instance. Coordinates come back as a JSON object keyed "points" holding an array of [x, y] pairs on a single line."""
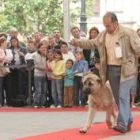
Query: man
{"points": [[57, 36], [76, 33], [15, 33], [37, 36], [118, 47]]}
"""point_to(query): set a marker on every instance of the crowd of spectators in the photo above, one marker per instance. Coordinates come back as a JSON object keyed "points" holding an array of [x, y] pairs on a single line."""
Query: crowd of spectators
{"points": [[58, 68]]}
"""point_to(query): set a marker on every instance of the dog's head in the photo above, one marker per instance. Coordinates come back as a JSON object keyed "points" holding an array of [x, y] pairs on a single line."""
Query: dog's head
{"points": [[91, 84]]}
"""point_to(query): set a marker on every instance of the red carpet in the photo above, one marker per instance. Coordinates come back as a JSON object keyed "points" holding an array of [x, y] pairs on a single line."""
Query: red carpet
{"points": [[96, 132], [29, 109]]}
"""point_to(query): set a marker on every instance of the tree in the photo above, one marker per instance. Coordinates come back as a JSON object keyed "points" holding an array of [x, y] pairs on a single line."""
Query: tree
{"points": [[37, 15], [32, 15]]}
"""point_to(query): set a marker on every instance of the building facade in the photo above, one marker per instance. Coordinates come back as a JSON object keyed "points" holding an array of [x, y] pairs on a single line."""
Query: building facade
{"points": [[128, 12]]}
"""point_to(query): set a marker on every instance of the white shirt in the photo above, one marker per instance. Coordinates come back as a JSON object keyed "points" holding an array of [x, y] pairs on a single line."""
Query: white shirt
{"points": [[68, 55]]}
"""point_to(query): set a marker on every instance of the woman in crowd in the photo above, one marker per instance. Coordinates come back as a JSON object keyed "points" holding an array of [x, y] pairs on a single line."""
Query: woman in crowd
{"points": [[5, 58], [39, 98], [16, 85], [93, 32]]}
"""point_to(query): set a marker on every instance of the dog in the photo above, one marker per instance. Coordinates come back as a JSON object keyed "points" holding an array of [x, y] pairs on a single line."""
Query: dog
{"points": [[98, 96]]}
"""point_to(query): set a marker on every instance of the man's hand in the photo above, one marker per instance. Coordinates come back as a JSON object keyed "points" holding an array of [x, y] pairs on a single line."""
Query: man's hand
{"points": [[72, 42]]}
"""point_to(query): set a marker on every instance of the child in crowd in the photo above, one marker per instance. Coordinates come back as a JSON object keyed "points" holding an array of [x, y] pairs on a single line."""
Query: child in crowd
{"points": [[50, 58], [79, 68], [68, 84], [65, 53], [39, 98], [31, 52], [95, 69], [58, 70]]}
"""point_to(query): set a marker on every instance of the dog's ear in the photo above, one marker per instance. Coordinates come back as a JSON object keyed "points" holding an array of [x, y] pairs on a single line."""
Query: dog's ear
{"points": [[84, 75]]}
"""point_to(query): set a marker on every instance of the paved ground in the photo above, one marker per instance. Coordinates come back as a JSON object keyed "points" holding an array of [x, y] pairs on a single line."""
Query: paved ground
{"points": [[21, 124]]}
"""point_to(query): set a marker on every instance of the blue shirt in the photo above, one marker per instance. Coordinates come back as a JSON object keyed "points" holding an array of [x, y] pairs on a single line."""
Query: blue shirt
{"points": [[80, 66]]}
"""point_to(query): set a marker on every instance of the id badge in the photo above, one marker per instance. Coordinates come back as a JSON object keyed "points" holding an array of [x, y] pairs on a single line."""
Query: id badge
{"points": [[118, 52]]}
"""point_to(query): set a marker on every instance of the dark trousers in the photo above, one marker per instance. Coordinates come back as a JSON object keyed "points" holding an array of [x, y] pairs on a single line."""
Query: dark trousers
{"points": [[114, 74], [1, 90], [16, 86], [78, 95], [49, 100]]}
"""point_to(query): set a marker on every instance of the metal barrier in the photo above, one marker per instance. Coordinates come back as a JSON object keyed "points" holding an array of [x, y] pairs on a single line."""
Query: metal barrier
{"points": [[29, 67]]}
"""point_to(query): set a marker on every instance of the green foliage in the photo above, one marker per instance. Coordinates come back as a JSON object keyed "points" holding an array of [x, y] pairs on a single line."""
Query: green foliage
{"points": [[75, 13], [32, 15], [37, 15]]}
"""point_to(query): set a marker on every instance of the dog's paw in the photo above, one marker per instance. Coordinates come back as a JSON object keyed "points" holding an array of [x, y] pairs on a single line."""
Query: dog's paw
{"points": [[109, 124], [82, 131]]}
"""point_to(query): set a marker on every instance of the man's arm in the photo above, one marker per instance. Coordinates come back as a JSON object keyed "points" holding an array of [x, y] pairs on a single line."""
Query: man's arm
{"points": [[135, 42], [86, 44]]}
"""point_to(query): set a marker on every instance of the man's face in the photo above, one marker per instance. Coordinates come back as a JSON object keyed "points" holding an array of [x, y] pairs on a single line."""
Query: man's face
{"points": [[57, 34], [37, 37], [75, 33], [31, 46], [109, 25], [14, 33]]}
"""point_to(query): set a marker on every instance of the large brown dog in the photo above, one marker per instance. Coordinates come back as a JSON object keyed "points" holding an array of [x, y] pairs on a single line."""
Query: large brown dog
{"points": [[99, 96]]}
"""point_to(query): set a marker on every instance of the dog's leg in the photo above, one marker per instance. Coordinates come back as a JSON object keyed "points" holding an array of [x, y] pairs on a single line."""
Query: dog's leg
{"points": [[90, 117], [108, 116], [114, 115], [110, 112]]}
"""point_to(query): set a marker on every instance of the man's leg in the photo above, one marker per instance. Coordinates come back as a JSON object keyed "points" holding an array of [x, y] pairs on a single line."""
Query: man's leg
{"points": [[124, 114], [113, 74]]}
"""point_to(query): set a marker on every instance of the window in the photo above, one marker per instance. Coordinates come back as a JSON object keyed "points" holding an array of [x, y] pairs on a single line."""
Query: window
{"points": [[96, 8], [114, 6]]}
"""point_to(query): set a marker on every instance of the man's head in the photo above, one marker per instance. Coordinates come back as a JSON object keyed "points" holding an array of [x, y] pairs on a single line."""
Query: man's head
{"points": [[14, 32], [37, 37], [57, 34], [75, 32], [110, 22]]}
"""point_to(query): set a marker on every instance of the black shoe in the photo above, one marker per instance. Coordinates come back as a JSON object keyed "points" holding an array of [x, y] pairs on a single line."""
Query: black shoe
{"points": [[120, 129]]}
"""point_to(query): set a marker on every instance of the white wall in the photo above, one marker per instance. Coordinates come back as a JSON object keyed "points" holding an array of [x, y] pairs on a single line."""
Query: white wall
{"points": [[130, 15]]}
